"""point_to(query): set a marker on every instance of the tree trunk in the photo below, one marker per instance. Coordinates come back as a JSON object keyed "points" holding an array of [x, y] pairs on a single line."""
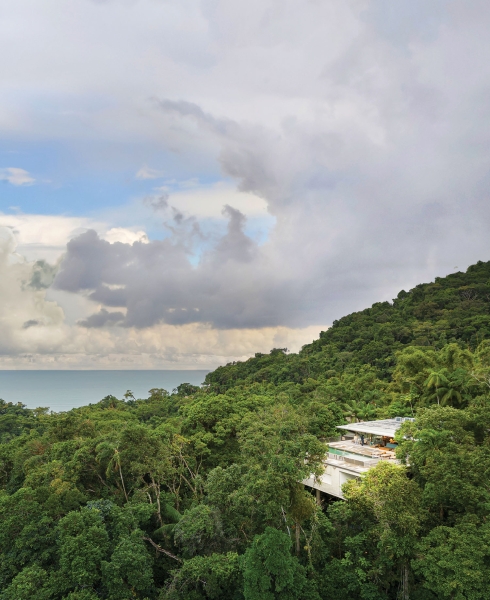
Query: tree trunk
{"points": [[297, 531], [404, 583], [123, 486]]}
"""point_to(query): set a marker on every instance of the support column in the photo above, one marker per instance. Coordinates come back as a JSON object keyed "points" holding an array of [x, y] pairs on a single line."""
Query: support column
{"points": [[318, 497]]}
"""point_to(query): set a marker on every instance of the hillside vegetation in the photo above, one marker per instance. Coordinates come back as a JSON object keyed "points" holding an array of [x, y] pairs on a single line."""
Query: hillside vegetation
{"points": [[453, 309], [194, 494]]}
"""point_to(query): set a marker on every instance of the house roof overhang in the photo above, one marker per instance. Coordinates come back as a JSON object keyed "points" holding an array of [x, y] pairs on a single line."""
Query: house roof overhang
{"points": [[385, 427]]}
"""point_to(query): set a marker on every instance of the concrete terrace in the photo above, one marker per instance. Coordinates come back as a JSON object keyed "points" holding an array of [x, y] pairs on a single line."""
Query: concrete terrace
{"points": [[349, 458]]}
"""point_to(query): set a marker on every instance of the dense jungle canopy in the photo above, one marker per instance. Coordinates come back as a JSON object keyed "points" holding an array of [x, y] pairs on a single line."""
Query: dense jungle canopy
{"points": [[194, 494]]}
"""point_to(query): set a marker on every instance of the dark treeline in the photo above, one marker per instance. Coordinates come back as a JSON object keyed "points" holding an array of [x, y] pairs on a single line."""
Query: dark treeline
{"points": [[194, 494]]}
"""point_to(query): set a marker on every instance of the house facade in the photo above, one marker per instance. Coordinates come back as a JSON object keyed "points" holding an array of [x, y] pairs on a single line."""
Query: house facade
{"points": [[360, 447]]}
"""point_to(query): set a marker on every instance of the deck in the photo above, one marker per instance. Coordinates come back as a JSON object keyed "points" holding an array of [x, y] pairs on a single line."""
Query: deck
{"points": [[346, 460]]}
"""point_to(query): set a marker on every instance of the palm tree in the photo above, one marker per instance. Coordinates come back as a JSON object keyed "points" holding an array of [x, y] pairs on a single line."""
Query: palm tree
{"points": [[438, 382], [358, 410], [115, 465], [451, 394], [351, 409], [445, 390], [368, 412]]}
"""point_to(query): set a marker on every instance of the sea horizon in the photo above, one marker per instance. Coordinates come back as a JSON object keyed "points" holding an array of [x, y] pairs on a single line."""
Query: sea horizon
{"points": [[63, 389]]}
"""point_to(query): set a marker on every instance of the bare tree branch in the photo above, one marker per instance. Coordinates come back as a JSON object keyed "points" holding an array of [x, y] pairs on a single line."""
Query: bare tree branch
{"points": [[162, 550]]}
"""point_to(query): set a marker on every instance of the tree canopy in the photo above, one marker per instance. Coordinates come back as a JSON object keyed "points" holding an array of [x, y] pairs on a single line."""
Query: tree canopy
{"points": [[195, 494]]}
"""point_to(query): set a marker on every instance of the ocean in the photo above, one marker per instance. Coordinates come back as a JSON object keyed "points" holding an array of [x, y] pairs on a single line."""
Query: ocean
{"points": [[63, 390]]}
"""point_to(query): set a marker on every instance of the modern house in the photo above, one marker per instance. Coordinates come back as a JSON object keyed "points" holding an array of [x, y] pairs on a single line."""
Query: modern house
{"points": [[360, 447]]}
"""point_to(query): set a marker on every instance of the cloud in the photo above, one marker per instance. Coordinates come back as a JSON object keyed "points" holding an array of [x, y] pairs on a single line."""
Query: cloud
{"points": [[16, 176], [30, 323], [44, 237], [23, 306], [235, 245], [102, 318], [34, 333], [207, 201], [358, 129], [125, 235], [159, 202], [43, 275], [369, 165], [192, 346], [381, 183], [147, 173], [158, 282]]}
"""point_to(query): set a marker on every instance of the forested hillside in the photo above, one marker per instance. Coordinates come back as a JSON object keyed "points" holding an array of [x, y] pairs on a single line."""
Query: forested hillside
{"points": [[194, 494], [455, 308]]}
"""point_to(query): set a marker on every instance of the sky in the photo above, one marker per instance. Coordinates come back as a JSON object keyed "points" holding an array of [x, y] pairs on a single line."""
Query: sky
{"points": [[187, 182]]}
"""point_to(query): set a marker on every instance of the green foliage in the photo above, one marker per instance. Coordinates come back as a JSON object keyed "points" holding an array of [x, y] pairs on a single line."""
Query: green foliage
{"points": [[217, 577], [32, 583], [453, 309], [455, 561], [199, 531], [269, 570], [197, 494], [16, 419], [450, 460]]}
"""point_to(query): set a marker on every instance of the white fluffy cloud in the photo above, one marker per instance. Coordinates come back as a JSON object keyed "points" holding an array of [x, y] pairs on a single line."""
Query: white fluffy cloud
{"points": [[24, 312], [148, 173], [44, 237], [16, 176]]}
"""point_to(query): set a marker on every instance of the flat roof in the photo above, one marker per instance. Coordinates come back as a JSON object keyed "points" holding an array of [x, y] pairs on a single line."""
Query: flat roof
{"points": [[384, 427]]}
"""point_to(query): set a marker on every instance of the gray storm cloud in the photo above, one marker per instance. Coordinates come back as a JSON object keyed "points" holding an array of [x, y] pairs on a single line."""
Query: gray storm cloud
{"points": [[376, 168], [157, 282]]}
